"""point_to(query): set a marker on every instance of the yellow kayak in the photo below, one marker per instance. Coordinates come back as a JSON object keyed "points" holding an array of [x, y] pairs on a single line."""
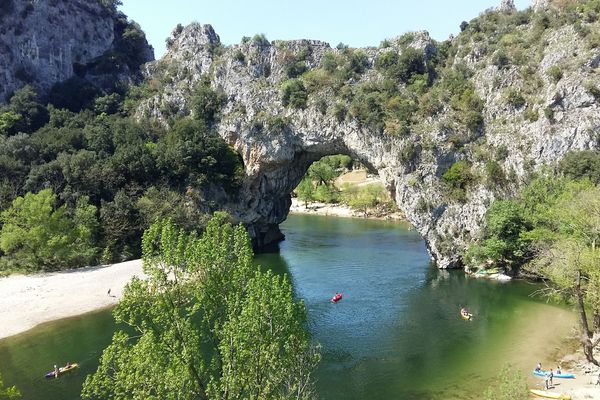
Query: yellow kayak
{"points": [[62, 370], [549, 395]]}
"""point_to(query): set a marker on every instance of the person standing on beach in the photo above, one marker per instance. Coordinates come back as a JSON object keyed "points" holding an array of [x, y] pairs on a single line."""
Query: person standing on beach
{"points": [[551, 375], [108, 293]]}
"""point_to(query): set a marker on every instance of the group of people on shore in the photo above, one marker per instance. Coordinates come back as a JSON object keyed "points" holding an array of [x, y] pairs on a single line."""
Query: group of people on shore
{"points": [[548, 376]]}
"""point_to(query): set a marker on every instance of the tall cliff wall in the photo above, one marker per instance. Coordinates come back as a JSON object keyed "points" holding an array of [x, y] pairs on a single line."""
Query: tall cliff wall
{"points": [[43, 42], [531, 115]]}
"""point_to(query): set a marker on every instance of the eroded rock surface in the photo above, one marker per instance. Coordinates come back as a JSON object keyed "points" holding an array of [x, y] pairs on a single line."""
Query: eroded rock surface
{"points": [[43, 42]]}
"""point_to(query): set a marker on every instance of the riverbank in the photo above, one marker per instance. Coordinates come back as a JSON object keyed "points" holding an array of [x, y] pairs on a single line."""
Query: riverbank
{"points": [[339, 210], [29, 300]]}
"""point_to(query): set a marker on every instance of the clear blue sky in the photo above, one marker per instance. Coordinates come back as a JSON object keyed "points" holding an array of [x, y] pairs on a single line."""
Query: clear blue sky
{"points": [[353, 22]]}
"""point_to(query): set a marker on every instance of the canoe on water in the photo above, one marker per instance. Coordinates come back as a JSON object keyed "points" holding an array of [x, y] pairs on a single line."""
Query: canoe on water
{"points": [[562, 375], [62, 370], [549, 395], [336, 298]]}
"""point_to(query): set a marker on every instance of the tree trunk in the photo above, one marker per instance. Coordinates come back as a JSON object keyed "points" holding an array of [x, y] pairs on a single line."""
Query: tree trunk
{"points": [[586, 335]]}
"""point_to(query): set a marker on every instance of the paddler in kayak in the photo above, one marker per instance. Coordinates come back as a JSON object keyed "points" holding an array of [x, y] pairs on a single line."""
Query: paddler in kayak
{"points": [[464, 312]]}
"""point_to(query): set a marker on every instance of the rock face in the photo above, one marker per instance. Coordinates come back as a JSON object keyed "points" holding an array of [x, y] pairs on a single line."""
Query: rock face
{"points": [[539, 5], [276, 157], [507, 6], [43, 41]]}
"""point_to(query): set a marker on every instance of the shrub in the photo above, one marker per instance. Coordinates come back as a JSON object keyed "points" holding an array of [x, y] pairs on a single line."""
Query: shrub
{"points": [[293, 94], [260, 39], [593, 90], [494, 174], [339, 112], [459, 175], [581, 165], [239, 56], [555, 73], [401, 67], [531, 114], [514, 98], [206, 102]]}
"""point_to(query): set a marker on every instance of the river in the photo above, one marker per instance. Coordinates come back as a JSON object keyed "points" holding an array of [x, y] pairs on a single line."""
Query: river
{"points": [[395, 334]]}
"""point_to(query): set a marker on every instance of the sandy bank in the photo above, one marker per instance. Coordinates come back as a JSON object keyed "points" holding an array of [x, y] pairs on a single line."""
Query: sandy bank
{"points": [[29, 300], [335, 210]]}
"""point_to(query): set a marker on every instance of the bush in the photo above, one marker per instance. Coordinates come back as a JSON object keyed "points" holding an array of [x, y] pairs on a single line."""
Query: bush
{"points": [[293, 94], [511, 386], [494, 174], [514, 98], [555, 73], [401, 67], [531, 114], [459, 175], [206, 102], [581, 165]]}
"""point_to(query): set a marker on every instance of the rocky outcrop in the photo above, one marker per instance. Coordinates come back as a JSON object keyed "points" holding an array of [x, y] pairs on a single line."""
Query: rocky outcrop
{"points": [[278, 143], [507, 6], [43, 42]]}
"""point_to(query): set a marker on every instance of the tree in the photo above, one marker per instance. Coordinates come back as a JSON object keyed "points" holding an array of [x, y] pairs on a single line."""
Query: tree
{"points": [[364, 197], [511, 386], [570, 260], [207, 324], [8, 393], [306, 190], [37, 235]]}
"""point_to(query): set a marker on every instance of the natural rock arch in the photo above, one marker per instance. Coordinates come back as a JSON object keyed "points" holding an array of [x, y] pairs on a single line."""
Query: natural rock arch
{"points": [[278, 143]]}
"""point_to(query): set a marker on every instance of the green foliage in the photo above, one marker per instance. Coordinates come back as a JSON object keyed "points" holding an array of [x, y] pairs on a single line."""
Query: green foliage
{"points": [[206, 103], [457, 178], [511, 385], [35, 235], [494, 174], [401, 67], [208, 324], [568, 256], [504, 223], [514, 98], [581, 165], [293, 94], [24, 113], [191, 154], [8, 393], [306, 190], [362, 198], [555, 72], [260, 39]]}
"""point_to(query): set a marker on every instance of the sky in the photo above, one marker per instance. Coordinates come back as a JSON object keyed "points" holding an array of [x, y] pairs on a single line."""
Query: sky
{"points": [[353, 22]]}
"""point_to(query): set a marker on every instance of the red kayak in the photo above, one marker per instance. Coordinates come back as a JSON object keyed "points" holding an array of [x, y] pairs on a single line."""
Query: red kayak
{"points": [[336, 298]]}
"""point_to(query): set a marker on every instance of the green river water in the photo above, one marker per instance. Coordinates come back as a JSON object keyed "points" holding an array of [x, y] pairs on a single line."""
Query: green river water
{"points": [[396, 334]]}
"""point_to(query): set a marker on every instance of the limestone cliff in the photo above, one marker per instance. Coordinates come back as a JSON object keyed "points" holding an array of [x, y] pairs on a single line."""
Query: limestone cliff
{"points": [[43, 42], [557, 113]]}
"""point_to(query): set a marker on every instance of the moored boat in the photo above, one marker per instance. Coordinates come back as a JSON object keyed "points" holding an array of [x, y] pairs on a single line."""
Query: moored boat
{"points": [[549, 395], [555, 375]]}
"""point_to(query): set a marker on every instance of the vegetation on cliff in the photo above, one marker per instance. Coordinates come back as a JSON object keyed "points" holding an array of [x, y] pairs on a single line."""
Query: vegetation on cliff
{"points": [[208, 324]]}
